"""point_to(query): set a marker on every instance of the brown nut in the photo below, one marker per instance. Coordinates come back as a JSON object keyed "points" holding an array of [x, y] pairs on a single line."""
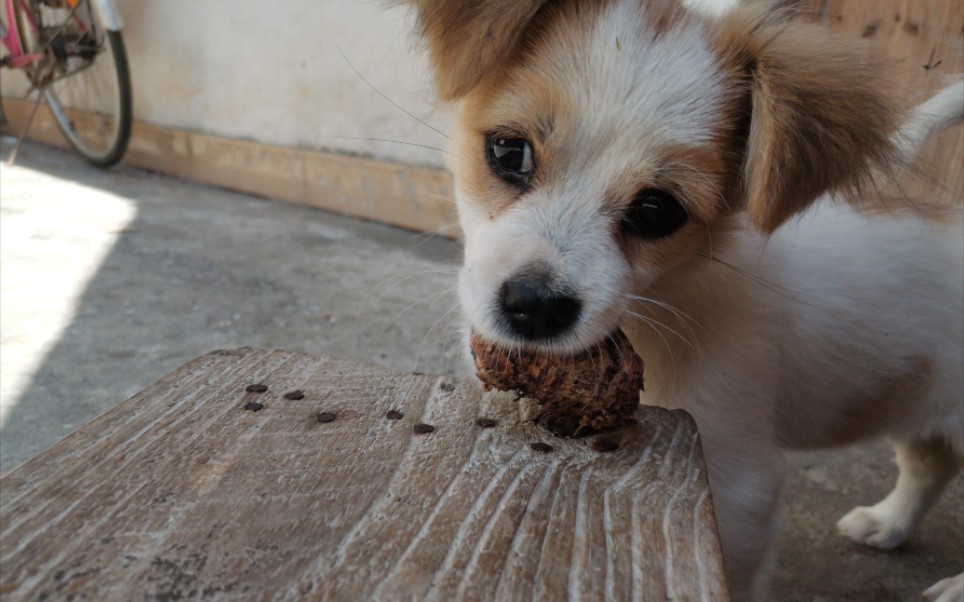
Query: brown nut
{"points": [[596, 390]]}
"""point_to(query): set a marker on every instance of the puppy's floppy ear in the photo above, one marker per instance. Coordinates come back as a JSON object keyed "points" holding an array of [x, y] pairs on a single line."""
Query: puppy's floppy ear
{"points": [[467, 37], [819, 114]]}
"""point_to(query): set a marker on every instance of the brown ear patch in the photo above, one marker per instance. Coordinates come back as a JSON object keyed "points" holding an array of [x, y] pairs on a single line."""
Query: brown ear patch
{"points": [[466, 37], [820, 112]]}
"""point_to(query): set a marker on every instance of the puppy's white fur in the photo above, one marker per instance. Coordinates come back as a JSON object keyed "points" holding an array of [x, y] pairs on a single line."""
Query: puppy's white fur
{"points": [[772, 332]]}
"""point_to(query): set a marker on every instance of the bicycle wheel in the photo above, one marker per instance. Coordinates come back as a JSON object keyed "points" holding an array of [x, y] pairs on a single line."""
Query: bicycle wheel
{"points": [[85, 77]]}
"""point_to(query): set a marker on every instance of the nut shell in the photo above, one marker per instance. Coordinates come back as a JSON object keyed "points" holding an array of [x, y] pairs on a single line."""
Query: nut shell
{"points": [[596, 390]]}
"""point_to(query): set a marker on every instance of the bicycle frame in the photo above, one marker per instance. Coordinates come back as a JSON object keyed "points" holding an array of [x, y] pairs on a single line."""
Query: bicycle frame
{"points": [[108, 13], [106, 10], [13, 40]]}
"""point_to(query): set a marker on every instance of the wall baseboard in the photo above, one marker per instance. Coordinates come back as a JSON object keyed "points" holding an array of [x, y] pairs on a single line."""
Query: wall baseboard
{"points": [[416, 198]]}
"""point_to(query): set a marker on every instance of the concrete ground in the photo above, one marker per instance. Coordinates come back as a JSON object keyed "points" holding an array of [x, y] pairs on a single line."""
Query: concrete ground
{"points": [[110, 280]]}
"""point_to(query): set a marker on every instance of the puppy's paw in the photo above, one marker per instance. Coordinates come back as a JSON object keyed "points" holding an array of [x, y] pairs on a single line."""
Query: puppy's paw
{"points": [[946, 590], [872, 526]]}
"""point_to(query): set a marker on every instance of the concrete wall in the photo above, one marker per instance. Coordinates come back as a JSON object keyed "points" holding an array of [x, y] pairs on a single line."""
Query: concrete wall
{"points": [[272, 72]]}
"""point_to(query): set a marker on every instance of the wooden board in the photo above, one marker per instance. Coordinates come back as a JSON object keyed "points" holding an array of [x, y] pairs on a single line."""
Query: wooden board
{"points": [[182, 493]]}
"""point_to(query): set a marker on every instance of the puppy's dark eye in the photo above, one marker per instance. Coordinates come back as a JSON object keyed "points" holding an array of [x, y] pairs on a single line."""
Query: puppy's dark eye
{"points": [[511, 159], [654, 214]]}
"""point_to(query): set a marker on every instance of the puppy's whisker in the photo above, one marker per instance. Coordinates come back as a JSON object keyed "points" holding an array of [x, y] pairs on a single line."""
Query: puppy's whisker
{"points": [[619, 351], [402, 312], [363, 139], [648, 322], [681, 318], [656, 323], [709, 238], [771, 286], [670, 308], [390, 280], [382, 94], [428, 236], [433, 296], [597, 370], [442, 342], [454, 353], [396, 279], [421, 345]]}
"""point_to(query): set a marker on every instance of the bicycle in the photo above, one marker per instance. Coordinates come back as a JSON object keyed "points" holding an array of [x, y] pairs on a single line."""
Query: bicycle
{"points": [[73, 54]]}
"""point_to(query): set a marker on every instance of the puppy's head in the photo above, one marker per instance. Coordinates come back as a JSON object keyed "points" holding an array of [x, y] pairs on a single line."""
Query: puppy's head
{"points": [[602, 144]]}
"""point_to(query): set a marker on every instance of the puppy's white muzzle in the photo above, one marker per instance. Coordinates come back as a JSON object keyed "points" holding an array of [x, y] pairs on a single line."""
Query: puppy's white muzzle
{"points": [[547, 272]]}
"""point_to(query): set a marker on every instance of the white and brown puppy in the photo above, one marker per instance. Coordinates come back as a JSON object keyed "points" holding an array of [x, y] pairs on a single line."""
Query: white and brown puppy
{"points": [[628, 164]]}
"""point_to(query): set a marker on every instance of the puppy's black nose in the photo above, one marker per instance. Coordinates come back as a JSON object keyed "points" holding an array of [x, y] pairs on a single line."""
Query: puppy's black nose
{"points": [[535, 312]]}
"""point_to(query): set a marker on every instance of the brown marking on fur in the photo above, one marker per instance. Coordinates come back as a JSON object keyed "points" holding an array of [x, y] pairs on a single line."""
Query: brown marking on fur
{"points": [[820, 114], [702, 179], [511, 95], [694, 241], [471, 39], [664, 15], [515, 96], [872, 415], [559, 18], [663, 253], [467, 38], [929, 458], [573, 19], [530, 114], [697, 177]]}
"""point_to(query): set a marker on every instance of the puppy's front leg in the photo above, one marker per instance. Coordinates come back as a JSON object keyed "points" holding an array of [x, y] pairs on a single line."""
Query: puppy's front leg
{"points": [[925, 467], [746, 477], [727, 384], [946, 590]]}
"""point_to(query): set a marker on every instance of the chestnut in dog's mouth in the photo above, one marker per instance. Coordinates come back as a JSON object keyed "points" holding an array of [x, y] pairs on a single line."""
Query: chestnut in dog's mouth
{"points": [[596, 390]]}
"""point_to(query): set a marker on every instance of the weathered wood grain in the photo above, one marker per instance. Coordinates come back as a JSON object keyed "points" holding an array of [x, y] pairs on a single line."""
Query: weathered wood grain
{"points": [[181, 493]]}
